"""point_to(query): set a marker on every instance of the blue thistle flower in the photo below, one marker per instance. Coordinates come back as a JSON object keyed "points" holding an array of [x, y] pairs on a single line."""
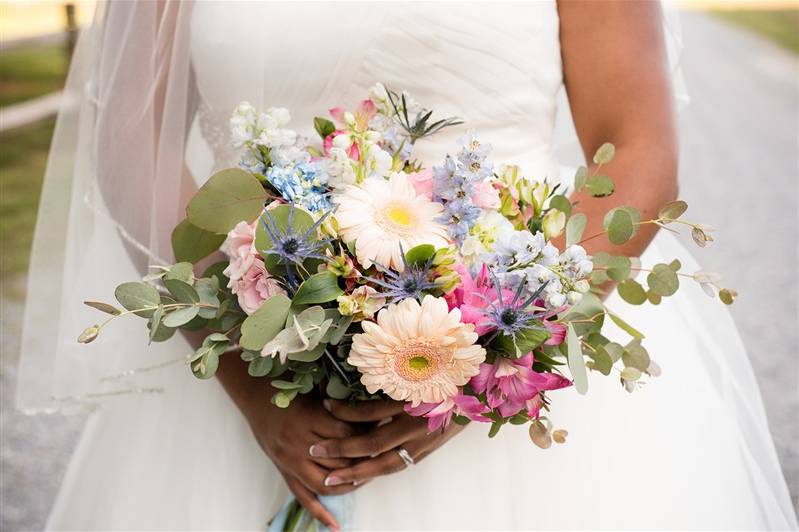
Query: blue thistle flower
{"points": [[514, 316], [409, 283], [291, 247]]}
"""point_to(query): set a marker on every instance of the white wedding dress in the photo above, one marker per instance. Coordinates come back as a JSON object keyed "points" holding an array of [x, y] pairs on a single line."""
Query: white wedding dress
{"points": [[688, 451]]}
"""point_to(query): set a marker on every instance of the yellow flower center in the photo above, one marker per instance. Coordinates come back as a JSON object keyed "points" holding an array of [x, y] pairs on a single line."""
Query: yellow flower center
{"points": [[418, 359], [399, 214]]}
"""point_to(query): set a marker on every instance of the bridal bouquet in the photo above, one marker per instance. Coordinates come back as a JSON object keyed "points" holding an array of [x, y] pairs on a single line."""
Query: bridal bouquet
{"points": [[352, 270]]}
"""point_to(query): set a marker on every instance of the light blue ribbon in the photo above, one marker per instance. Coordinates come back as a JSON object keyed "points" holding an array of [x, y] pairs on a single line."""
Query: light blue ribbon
{"points": [[340, 506]]}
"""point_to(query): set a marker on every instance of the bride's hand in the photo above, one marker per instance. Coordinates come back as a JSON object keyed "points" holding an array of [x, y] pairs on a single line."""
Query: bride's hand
{"points": [[286, 434], [376, 450]]}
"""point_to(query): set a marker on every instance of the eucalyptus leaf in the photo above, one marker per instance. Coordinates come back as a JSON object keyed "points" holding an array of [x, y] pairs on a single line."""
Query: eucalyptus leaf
{"points": [[599, 186], [136, 295], [575, 227], [632, 292], [636, 356], [672, 211], [183, 292], [180, 316], [192, 244], [603, 362], [620, 227], [618, 268], [614, 350], [562, 204], [155, 322], [266, 322], [182, 271], [699, 236], [217, 270], [580, 178], [337, 388], [103, 307], [653, 298], [630, 374], [727, 295], [605, 153], [227, 198], [308, 356], [207, 290], [663, 280], [626, 327], [162, 333], [576, 361], [260, 366]]}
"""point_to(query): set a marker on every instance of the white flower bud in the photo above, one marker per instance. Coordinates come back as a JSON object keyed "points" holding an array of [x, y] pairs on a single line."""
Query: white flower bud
{"points": [[342, 141], [582, 286]]}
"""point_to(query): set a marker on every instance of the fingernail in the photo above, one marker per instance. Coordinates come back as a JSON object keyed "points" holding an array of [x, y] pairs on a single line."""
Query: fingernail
{"points": [[327, 404], [317, 451], [333, 480]]}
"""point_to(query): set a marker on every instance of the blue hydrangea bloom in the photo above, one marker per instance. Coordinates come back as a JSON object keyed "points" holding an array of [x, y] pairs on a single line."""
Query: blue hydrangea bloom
{"points": [[303, 184]]}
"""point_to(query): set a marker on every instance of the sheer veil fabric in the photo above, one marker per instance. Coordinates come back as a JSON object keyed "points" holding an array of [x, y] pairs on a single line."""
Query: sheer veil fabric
{"points": [[145, 121]]}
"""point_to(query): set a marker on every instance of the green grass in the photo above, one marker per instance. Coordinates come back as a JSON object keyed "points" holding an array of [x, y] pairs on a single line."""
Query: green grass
{"points": [[778, 25], [31, 71], [23, 155]]}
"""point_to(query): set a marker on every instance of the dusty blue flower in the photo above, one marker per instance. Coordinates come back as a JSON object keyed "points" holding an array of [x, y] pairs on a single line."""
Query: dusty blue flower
{"points": [[409, 283]]}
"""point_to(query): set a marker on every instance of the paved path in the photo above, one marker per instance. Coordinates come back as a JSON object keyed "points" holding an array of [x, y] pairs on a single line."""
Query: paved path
{"points": [[739, 162]]}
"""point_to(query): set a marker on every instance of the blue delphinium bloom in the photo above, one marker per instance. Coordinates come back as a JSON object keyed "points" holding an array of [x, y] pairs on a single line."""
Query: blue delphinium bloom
{"points": [[409, 283], [293, 246], [302, 184], [455, 182]]}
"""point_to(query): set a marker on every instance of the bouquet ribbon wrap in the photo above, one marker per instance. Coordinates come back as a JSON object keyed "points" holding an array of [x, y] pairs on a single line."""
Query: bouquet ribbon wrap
{"points": [[292, 517]]}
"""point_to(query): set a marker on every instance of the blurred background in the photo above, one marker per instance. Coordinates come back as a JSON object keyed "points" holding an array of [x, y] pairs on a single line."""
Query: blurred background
{"points": [[740, 154]]}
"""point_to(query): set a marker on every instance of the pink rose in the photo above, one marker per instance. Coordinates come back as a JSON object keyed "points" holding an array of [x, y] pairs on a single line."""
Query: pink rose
{"points": [[486, 196], [240, 247], [255, 287], [422, 182]]}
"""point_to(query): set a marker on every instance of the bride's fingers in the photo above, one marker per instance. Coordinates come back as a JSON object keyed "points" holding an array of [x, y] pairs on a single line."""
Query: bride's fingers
{"points": [[370, 444], [363, 411], [332, 463], [309, 501], [364, 471]]}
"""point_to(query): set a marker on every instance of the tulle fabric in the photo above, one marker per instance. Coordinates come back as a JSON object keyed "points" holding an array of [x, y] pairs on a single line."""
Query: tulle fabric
{"points": [[149, 93]]}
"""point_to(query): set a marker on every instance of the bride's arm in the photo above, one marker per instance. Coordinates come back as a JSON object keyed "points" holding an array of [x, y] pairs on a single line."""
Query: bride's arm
{"points": [[617, 78], [616, 74]]}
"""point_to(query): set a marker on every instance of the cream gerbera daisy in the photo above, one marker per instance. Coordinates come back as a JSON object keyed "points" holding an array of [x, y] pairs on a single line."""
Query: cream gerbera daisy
{"points": [[418, 353], [381, 215]]}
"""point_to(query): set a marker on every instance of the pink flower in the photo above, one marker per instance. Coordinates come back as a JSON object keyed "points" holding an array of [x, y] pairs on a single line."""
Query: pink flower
{"points": [[240, 247], [255, 287], [486, 196], [352, 152], [557, 332], [509, 384], [472, 297], [439, 415], [361, 117], [422, 182]]}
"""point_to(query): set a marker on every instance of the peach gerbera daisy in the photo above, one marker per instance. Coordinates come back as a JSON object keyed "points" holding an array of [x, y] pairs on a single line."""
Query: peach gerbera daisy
{"points": [[417, 353], [382, 216]]}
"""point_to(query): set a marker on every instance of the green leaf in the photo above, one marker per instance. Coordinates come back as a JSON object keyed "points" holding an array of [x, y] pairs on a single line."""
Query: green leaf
{"points": [[620, 227], [653, 298], [576, 361], [419, 255], [630, 374], [562, 204], [605, 153], [182, 271], [323, 126], [526, 340], [635, 215], [308, 356], [260, 366], [580, 177], [672, 210], [575, 227], [337, 388], [162, 333], [301, 222], [205, 361], [320, 287], [180, 316], [618, 268], [227, 198], [626, 327], [339, 330], [675, 265], [217, 270], [699, 236], [603, 362], [183, 292], [636, 356], [192, 244], [662, 280], [282, 399], [614, 350], [286, 385], [632, 292], [599, 186], [264, 324], [135, 296], [208, 289], [104, 307]]}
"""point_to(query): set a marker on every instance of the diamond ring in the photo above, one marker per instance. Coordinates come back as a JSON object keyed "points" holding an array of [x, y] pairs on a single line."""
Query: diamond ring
{"points": [[405, 455]]}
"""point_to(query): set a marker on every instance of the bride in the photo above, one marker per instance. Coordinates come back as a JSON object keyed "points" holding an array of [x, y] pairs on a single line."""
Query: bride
{"points": [[145, 122]]}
